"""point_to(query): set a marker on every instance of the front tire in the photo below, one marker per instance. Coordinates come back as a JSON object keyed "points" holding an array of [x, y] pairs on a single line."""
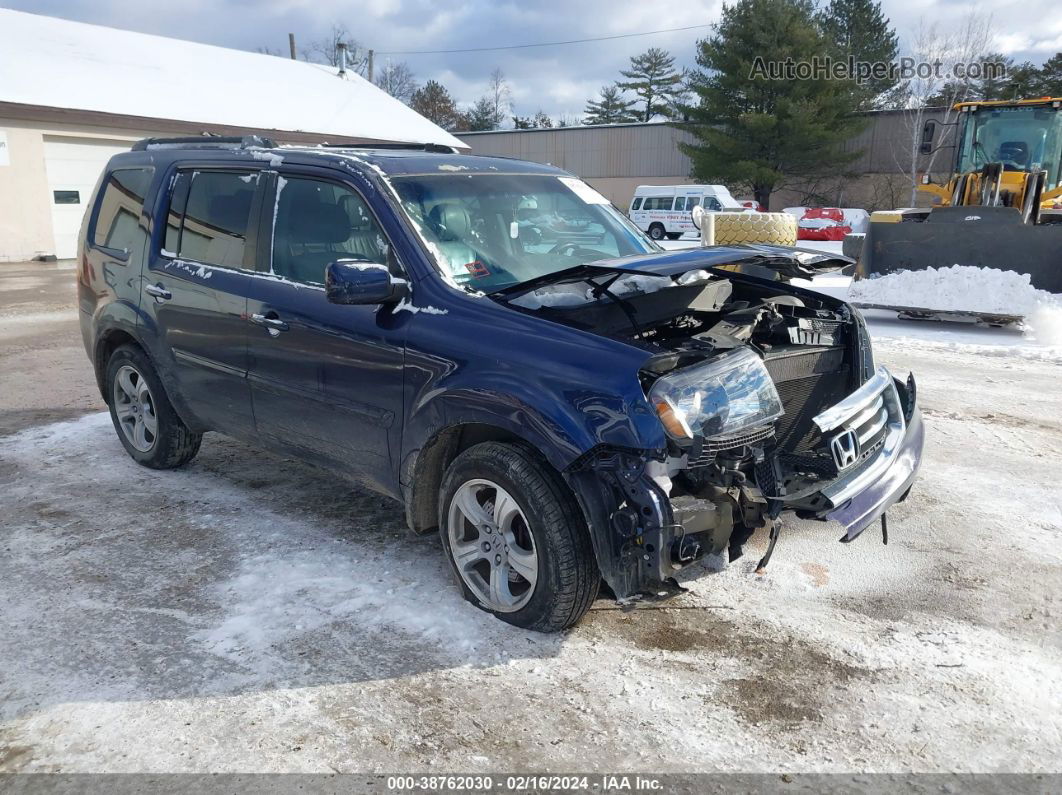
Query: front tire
{"points": [[143, 416], [515, 538]]}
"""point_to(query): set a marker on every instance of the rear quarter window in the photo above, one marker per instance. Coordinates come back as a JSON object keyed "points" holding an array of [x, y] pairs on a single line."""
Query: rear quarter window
{"points": [[637, 204], [119, 221]]}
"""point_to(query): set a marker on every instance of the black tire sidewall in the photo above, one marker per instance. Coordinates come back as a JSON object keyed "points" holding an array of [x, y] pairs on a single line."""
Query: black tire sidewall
{"points": [[550, 521], [657, 232]]}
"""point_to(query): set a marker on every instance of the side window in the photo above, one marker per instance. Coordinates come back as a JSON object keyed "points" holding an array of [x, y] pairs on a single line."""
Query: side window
{"points": [[319, 222], [637, 204], [692, 201], [118, 223], [666, 204], [712, 203], [680, 203], [216, 216], [175, 215]]}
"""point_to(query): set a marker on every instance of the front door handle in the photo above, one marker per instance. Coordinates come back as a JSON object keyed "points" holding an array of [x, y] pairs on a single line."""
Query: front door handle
{"points": [[273, 323], [158, 291]]}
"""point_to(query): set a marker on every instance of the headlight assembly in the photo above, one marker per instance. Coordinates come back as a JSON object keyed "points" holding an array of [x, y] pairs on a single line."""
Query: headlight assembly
{"points": [[724, 396]]}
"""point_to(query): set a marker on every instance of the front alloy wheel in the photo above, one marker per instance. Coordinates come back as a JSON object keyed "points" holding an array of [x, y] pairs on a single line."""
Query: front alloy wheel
{"points": [[516, 540], [492, 545]]}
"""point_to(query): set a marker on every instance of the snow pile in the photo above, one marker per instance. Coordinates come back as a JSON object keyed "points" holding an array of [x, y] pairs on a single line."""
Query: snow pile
{"points": [[965, 288]]}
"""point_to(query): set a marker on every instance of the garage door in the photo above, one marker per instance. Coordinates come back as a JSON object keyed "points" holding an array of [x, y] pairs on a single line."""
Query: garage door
{"points": [[73, 166]]}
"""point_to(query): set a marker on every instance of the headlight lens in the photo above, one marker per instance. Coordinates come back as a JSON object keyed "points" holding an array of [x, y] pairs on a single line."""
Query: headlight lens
{"points": [[722, 397]]}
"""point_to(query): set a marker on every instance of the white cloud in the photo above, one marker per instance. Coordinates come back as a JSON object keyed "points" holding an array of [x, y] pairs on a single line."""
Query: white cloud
{"points": [[556, 79]]}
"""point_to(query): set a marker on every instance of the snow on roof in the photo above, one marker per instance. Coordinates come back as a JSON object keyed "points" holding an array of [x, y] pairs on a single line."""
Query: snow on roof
{"points": [[62, 64]]}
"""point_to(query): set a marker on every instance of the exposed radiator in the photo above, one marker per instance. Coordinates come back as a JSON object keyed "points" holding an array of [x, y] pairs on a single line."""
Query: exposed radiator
{"points": [[808, 379]]}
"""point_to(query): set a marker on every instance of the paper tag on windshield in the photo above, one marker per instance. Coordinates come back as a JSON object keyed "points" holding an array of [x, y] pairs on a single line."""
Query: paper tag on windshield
{"points": [[583, 191]]}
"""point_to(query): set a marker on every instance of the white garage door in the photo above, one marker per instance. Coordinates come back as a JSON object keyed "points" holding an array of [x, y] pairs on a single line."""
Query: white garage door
{"points": [[73, 166]]}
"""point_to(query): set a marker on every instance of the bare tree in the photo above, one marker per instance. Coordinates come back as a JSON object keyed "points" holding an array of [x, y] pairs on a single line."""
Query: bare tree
{"points": [[263, 50], [500, 95], [942, 49], [397, 79], [326, 50]]}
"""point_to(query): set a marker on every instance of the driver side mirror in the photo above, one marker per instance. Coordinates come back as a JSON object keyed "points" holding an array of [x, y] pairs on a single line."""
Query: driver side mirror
{"points": [[359, 282], [929, 132]]}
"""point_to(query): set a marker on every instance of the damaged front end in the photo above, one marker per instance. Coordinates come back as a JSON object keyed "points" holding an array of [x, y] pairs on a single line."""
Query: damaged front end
{"points": [[770, 401]]}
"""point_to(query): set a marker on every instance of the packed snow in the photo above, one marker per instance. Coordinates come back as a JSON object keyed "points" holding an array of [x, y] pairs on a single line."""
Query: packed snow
{"points": [[969, 289], [252, 613]]}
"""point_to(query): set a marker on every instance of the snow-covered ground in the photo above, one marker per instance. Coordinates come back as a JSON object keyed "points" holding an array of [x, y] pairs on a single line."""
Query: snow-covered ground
{"points": [[249, 613]]}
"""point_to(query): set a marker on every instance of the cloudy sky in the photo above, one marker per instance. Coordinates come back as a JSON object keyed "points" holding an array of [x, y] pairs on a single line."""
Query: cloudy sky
{"points": [[555, 79]]}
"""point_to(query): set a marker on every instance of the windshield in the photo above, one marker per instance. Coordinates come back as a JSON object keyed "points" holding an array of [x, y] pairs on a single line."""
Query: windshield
{"points": [[1022, 139], [489, 231]]}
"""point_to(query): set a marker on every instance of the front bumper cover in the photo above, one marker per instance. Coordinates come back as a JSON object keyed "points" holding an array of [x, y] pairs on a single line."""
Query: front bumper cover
{"points": [[858, 498], [634, 525]]}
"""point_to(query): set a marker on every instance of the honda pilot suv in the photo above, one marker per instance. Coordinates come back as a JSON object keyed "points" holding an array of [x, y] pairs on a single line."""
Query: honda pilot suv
{"points": [[496, 347]]}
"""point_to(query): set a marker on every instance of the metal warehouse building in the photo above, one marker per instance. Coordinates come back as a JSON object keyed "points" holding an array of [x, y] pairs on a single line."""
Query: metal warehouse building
{"points": [[72, 95], [616, 158]]}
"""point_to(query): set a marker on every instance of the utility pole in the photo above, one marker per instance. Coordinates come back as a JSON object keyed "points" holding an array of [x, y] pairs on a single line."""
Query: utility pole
{"points": [[371, 53], [291, 45]]}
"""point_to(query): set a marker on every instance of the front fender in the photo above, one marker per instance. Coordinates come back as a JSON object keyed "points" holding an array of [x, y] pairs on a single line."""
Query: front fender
{"points": [[561, 427]]}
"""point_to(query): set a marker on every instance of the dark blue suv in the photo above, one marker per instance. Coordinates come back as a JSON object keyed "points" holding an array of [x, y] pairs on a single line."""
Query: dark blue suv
{"points": [[492, 344]]}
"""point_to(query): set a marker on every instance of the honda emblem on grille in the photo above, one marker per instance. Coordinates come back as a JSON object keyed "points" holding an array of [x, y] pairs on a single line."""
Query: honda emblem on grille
{"points": [[845, 449]]}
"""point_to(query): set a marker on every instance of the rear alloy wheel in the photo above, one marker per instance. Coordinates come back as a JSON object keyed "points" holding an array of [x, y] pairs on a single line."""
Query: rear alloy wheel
{"points": [[656, 231], [135, 409], [516, 539], [147, 425]]}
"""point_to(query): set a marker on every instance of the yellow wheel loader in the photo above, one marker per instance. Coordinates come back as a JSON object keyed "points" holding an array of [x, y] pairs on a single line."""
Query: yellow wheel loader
{"points": [[1001, 208]]}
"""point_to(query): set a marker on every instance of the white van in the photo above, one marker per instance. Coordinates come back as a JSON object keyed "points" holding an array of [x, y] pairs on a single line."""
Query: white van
{"points": [[664, 210]]}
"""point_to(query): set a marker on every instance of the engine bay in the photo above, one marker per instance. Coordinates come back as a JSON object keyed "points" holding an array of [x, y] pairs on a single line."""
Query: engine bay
{"points": [[723, 488]]}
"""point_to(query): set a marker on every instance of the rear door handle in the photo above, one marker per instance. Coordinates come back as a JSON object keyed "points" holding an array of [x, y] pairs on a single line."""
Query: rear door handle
{"points": [[158, 291], [271, 322]]}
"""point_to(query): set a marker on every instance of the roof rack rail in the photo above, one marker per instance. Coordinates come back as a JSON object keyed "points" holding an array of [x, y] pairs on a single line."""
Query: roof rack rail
{"points": [[205, 142], [434, 148]]}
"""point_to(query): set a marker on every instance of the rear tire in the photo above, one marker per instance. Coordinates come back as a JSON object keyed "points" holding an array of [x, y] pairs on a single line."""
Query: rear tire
{"points": [[523, 522], [656, 231], [147, 426]]}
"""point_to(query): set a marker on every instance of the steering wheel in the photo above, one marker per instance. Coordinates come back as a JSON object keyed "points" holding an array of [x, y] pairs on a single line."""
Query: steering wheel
{"points": [[567, 248]]}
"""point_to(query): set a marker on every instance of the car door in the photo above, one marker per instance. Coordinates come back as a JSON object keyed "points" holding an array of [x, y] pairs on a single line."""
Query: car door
{"points": [[195, 292], [326, 379]]}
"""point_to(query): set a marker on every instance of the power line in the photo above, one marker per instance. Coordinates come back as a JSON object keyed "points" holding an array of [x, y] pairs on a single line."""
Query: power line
{"points": [[541, 44]]}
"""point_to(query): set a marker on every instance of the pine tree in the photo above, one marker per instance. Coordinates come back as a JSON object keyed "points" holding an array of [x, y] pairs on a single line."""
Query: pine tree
{"points": [[756, 132], [541, 119], [1050, 82], [434, 102], [481, 115], [859, 30], [611, 109], [655, 81]]}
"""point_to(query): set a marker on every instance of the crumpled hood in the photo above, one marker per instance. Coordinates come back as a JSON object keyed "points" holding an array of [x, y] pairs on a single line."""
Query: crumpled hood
{"points": [[780, 262]]}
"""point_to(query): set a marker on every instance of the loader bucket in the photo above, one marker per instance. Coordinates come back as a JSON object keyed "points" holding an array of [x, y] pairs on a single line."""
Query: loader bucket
{"points": [[983, 237]]}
